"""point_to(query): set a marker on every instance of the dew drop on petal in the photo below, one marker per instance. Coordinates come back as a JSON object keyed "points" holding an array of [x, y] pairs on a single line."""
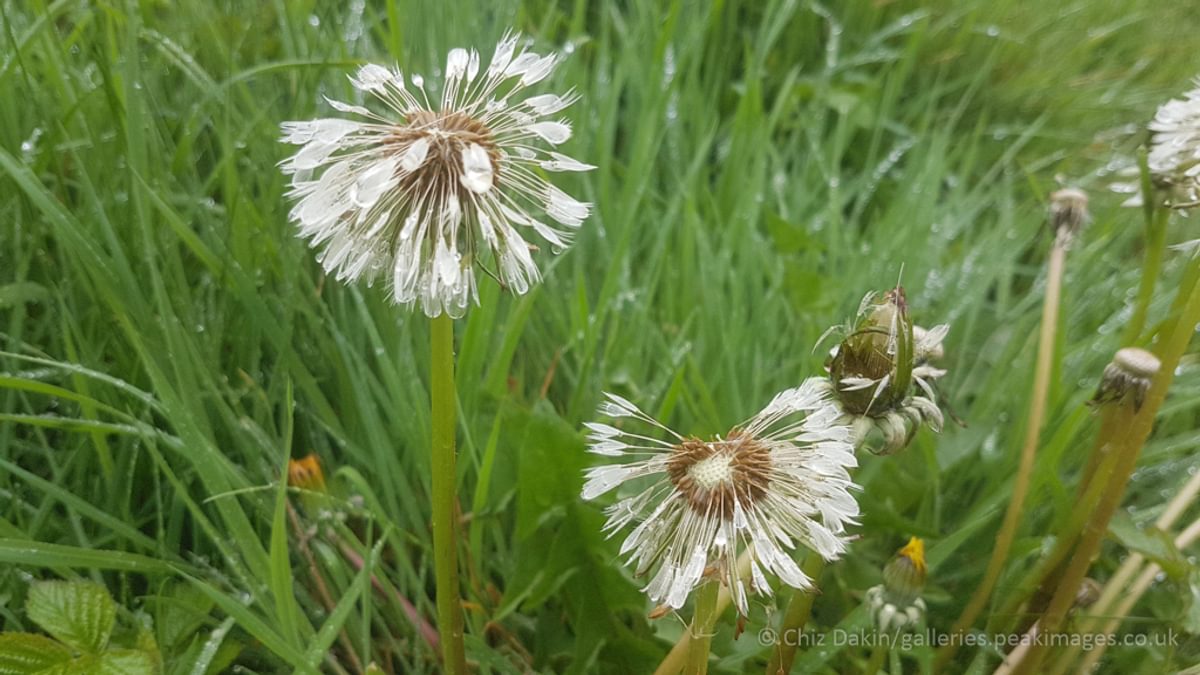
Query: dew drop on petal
{"points": [[414, 155], [477, 169]]}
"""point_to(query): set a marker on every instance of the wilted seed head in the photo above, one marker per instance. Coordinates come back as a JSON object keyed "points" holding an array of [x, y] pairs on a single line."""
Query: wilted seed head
{"points": [[1089, 593], [1127, 377], [871, 369], [714, 477], [1068, 212]]}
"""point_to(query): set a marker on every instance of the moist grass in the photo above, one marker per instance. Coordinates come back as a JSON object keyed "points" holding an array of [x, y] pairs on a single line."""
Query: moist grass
{"points": [[168, 343]]}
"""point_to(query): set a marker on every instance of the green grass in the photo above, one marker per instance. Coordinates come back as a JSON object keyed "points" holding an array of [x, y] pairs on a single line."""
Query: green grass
{"points": [[168, 343]]}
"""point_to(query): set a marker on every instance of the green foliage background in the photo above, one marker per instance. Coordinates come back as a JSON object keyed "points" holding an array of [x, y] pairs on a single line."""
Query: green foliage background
{"points": [[168, 343]]}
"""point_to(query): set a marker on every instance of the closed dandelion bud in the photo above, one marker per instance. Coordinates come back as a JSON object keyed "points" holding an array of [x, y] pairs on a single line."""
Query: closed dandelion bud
{"points": [[307, 476], [872, 374], [896, 604], [1127, 378], [904, 576], [306, 473], [872, 367], [1068, 211]]}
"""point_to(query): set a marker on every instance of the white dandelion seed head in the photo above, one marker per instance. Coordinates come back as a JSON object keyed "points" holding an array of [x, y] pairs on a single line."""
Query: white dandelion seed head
{"points": [[1174, 158], [777, 481], [426, 191]]}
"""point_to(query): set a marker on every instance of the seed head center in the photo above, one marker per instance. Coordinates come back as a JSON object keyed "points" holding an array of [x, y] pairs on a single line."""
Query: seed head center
{"points": [[715, 476], [711, 472], [448, 133]]}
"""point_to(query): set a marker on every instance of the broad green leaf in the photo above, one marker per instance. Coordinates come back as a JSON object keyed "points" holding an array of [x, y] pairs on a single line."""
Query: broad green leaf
{"points": [[1191, 617], [25, 653], [179, 613], [80, 614], [550, 470], [88, 664], [127, 662], [1151, 542]]}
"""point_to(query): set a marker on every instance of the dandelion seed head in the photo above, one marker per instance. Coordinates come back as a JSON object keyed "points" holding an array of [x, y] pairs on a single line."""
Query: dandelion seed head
{"points": [[776, 482], [425, 192]]}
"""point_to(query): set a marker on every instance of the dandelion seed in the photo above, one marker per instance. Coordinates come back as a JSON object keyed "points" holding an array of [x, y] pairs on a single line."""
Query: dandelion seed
{"points": [[779, 480], [427, 191]]}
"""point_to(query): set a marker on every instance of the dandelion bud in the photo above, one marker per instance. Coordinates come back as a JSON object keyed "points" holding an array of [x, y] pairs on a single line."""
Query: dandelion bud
{"points": [[1068, 211], [306, 474], [873, 370], [904, 576], [1127, 377], [872, 367], [897, 604]]}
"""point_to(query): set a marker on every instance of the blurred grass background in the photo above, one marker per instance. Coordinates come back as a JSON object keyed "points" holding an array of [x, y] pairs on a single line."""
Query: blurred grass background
{"points": [[168, 344]]}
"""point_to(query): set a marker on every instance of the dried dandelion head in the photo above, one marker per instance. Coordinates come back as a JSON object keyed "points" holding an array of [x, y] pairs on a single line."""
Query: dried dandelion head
{"points": [[779, 480], [1128, 377], [425, 192], [1068, 212]]}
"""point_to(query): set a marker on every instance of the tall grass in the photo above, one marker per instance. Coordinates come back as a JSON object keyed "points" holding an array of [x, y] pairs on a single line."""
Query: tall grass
{"points": [[168, 344]]}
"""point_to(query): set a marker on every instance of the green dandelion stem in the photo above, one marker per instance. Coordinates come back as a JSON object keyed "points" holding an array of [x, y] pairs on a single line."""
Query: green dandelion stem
{"points": [[703, 621], [798, 612], [445, 554], [1137, 424], [1037, 413], [1156, 242]]}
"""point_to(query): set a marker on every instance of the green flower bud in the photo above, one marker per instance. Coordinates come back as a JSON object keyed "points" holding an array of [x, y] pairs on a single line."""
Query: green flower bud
{"points": [[872, 367], [896, 604], [904, 576]]}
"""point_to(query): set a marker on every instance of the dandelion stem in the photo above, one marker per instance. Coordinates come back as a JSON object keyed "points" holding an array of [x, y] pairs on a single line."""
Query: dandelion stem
{"points": [[1044, 578], [1156, 241], [674, 661], [702, 628], [1114, 588], [1129, 598], [1037, 412], [445, 558], [878, 656], [798, 612], [1138, 424]]}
